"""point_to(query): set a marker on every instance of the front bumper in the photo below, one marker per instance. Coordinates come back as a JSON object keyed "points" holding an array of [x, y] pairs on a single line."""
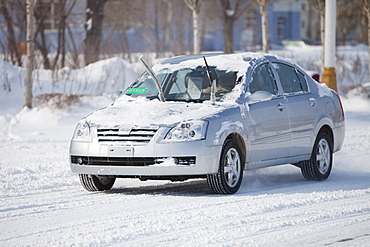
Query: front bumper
{"points": [[153, 159]]}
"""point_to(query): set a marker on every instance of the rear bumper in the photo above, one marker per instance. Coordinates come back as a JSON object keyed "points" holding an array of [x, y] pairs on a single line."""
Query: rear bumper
{"points": [[339, 134]]}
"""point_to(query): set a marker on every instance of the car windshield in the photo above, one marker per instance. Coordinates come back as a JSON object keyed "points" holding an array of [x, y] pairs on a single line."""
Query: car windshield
{"points": [[187, 84]]}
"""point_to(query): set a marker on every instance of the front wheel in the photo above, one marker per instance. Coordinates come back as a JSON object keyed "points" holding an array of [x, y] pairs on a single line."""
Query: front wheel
{"points": [[318, 167], [96, 183], [230, 172]]}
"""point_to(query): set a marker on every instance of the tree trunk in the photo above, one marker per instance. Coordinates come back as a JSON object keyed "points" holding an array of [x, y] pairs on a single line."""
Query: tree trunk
{"points": [[195, 5], [15, 55], [229, 15], [93, 27], [322, 33], [30, 56], [227, 25], [43, 46], [366, 7], [156, 30], [41, 15], [197, 32], [320, 22], [179, 43], [264, 21], [228, 35], [309, 20]]}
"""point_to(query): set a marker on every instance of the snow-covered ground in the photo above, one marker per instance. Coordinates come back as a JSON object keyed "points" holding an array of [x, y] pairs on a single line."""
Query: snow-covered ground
{"points": [[43, 204]]}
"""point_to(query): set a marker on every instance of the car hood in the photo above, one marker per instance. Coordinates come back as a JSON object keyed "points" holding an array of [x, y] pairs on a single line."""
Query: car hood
{"points": [[141, 112]]}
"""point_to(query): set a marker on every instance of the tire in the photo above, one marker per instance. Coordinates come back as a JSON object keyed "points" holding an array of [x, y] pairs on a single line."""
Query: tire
{"points": [[318, 167], [230, 172], [96, 183]]}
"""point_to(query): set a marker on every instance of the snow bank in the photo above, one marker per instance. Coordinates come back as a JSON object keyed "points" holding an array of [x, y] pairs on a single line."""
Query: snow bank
{"points": [[99, 79], [106, 76]]}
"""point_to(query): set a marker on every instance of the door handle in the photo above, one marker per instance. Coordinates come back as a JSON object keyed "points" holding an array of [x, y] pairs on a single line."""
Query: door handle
{"points": [[280, 106], [312, 101]]}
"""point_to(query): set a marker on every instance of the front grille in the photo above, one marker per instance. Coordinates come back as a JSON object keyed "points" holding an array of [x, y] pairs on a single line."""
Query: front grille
{"points": [[131, 136], [128, 161]]}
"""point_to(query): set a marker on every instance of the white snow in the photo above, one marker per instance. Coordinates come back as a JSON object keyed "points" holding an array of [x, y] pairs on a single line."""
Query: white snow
{"points": [[89, 24], [43, 204], [323, 90], [234, 62], [142, 112]]}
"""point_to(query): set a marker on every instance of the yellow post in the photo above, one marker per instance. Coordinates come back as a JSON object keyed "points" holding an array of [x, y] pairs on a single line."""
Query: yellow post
{"points": [[329, 77]]}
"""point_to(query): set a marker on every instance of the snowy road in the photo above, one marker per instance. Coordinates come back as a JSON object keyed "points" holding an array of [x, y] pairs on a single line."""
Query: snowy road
{"points": [[43, 204]]}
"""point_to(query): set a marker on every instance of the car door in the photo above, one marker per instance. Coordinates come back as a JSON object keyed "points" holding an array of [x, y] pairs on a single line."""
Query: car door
{"points": [[301, 105], [268, 120]]}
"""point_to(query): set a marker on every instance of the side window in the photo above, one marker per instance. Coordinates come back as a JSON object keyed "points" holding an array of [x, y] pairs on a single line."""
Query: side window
{"points": [[303, 81], [289, 79], [263, 80]]}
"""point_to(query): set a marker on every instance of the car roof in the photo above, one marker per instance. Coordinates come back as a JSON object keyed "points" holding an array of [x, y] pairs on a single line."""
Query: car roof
{"points": [[248, 56]]}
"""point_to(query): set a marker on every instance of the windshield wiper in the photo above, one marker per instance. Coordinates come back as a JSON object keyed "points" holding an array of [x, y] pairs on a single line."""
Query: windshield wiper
{"points": [[212, 82], [187, 100], [155, 79]]}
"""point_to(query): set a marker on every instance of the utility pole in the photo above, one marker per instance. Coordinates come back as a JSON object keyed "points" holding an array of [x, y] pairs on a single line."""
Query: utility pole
{"points": [[329, 76], [30, 55]]}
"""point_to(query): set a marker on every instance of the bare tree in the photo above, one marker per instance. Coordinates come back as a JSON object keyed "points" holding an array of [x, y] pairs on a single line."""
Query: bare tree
{"points": [[30, 56], [229, 15], [263, 4], [181, 15], [93, 27], [63, 14], [348, 18], [309, 20], [366, 7], [52, 16], [320, 21], [320, 18], [195, 6], [13, 42], [42, 15]]}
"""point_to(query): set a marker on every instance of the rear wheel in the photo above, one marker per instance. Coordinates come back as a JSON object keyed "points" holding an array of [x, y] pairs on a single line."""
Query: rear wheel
{"points": [[230, 172], [96, 183], [318, 167]]}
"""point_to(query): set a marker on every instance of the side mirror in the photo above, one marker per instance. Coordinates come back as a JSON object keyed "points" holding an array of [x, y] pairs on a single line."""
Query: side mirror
{"points": [[115, 95], [259, 96]]}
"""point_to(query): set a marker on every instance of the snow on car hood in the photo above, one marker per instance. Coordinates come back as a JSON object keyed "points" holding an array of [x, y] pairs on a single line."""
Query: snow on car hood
{"points": [[142, 112]]}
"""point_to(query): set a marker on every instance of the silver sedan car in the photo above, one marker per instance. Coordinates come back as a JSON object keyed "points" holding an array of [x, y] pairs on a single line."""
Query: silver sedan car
{"points": [[212, 117]]}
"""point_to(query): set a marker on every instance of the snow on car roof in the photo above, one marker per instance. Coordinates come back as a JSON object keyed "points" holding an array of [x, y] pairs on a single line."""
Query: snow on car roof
{"points": [[230, 62]]}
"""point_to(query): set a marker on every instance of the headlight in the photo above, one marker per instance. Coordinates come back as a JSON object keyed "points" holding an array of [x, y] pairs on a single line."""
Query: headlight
{"points": [[82, 132], [187, 131]]}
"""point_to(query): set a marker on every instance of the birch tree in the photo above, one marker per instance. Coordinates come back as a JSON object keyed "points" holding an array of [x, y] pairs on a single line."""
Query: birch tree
{"points": [[366, 7], [263, 4], [195, 6], [30, 54]]}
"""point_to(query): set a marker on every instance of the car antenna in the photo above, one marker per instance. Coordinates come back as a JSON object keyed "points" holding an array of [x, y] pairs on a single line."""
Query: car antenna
{"points": [[212, 82], [158, 85]]}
